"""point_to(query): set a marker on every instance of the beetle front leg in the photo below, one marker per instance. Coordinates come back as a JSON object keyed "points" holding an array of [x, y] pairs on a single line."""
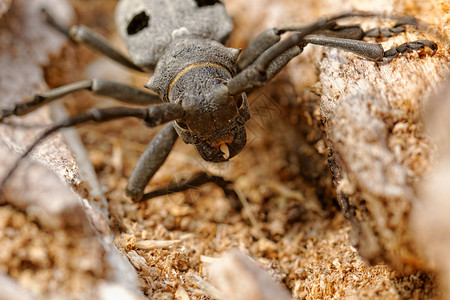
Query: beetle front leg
{"points": [[197, 180], [267, 64], [271, 37], [150, 161], [258, 45], [370, 51]]}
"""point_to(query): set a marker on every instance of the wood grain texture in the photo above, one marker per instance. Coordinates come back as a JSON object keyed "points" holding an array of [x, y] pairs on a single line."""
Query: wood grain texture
{"points": [[379, 148]]}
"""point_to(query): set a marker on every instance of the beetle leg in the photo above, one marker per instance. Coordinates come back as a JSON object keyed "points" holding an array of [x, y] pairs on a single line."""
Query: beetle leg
{"points": [[373, 52], [255, 75], [197, 180], [150, 161], [407, 47], [153, 115], [84, 35], [258, 45], [354, 31], [267, 64], [270, 37], [118, 91], [266, 40]]}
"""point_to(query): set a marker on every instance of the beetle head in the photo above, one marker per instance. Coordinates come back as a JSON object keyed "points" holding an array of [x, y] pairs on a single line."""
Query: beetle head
{"points": [[214, 121]]}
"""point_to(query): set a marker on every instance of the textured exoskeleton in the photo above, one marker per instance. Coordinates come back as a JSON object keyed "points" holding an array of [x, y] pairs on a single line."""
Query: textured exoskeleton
{"points": [[199, 84], [149, 27]]}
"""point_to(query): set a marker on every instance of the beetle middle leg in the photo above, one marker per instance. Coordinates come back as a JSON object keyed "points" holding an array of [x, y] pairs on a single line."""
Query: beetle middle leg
{"points": [[152, 115], [115, 90], [158, 149], [84, 35]]}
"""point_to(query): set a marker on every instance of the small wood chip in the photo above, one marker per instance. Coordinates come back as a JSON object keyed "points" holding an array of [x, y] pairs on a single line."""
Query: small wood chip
{"points": [[136, 260], [181, 294], [152, 244]]}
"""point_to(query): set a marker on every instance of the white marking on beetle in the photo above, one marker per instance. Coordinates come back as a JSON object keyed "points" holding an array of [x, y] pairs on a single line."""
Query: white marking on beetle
{"points": [[180, 32]]}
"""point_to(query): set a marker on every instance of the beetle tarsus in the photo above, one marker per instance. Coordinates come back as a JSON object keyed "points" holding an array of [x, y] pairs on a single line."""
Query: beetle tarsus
{"points": [[195, 181]]}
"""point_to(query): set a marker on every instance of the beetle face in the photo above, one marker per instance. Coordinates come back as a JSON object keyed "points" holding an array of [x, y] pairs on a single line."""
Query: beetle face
{"points": [[214, 121], [194, 74]]}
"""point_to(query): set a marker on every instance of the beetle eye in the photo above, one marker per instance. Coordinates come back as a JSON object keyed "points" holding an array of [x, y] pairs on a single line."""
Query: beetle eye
{"points": [[219, 81], [182, 125]]}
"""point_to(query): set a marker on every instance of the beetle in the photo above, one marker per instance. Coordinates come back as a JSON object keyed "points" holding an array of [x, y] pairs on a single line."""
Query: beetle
{"points": [[199, 86]]}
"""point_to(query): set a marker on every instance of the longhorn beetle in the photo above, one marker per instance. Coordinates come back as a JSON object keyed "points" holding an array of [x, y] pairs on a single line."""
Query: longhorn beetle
{"points": [[198, 86]]}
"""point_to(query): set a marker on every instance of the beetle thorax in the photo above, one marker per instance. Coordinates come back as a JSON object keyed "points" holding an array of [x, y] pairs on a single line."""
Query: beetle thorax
{"points": [[194, 74]]}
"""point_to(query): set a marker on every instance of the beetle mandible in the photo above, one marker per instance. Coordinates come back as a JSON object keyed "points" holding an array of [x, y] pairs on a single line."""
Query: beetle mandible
{"points": [[199, 85]]}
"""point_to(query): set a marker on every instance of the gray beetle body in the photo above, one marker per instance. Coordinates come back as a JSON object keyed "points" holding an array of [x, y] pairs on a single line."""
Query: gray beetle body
{"points": [[201, 83], [148, 27], [180, 40]]}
